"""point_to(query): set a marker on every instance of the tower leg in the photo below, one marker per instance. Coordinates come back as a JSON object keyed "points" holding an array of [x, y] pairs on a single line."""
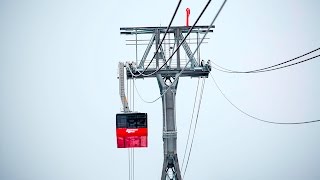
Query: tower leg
{"points": [[170, 169]]}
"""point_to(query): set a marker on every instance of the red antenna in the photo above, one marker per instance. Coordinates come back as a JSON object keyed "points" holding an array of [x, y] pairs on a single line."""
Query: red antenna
{"points": [[187, 18]]}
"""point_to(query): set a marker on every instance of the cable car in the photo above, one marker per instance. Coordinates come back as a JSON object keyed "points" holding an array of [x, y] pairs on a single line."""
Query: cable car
{"points": [[132, 130]]}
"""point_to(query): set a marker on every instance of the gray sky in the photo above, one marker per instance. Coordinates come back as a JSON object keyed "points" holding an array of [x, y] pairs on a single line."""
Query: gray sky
{"points": [[59, 91]]}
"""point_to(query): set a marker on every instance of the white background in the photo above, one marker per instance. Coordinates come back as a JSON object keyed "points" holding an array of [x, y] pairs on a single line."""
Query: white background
{"points": [[59, 91]]}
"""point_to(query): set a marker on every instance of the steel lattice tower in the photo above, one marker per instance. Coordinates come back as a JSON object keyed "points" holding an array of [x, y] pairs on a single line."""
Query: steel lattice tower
{"points": [[168, 79]]}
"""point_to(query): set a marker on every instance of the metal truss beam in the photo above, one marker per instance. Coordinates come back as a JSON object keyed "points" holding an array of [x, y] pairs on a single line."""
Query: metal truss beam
{"points": [[150, 30], [145, 55], [188, 51], [195, 72]]}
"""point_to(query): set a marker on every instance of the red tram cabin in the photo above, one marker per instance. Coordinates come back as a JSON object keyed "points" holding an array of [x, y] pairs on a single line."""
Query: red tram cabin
{"points": [[132, 130]]}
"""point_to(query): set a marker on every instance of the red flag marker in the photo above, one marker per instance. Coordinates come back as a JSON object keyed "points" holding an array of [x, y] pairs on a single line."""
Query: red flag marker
{"points": [[187, 18]]}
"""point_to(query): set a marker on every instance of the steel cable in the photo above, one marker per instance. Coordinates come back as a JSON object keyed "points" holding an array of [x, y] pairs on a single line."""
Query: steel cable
{"points": [[256, 118], [270, 68], [195, 126], [191, 122]]}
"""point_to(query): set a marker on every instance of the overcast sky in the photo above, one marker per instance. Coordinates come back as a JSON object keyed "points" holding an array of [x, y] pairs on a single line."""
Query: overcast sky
{"points": [[59, 91]]}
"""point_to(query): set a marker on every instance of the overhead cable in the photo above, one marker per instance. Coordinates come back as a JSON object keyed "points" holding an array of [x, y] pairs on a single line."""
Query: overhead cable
{"points": [[132, 163], [191, 122], [270, 68], [129, 160], [172, 18], [288, 64], [146, 100], [130, 94], [256, 118], [195, 127]]}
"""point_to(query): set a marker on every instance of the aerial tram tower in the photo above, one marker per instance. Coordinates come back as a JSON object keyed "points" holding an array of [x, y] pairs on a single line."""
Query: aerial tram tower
{"points": [[167, 67]]}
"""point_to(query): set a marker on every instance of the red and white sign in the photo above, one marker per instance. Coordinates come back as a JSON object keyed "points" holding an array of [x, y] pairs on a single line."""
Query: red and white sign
{"points": [[126, 132]]}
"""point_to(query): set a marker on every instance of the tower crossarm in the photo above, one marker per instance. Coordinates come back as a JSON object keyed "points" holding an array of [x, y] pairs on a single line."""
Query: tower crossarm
{"points": [[188, 72]]}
